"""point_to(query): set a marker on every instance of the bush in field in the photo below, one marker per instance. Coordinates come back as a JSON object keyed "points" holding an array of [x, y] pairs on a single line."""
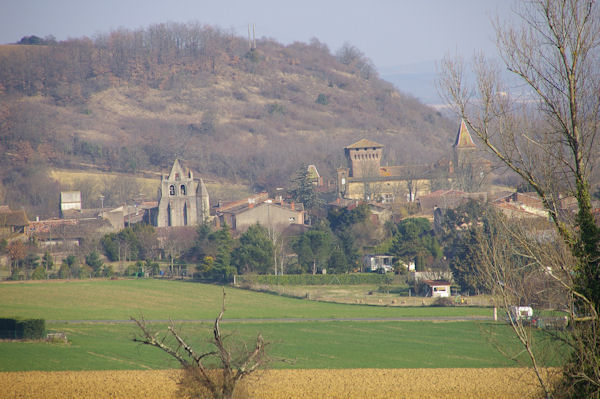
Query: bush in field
{"points": [[443, 302], [39, 273]]}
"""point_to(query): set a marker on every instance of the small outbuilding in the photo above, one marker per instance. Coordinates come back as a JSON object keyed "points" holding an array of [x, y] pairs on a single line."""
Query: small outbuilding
{"points": [[437, 288]]}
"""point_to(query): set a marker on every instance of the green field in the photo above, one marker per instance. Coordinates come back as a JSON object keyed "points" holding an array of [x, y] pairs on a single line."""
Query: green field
{"points": [[163, 299], [310, 344], [307, 344]]}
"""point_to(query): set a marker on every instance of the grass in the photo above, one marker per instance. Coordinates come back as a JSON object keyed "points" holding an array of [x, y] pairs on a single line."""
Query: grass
{"points": [[163, 299], [312, 344], [309, 344]]}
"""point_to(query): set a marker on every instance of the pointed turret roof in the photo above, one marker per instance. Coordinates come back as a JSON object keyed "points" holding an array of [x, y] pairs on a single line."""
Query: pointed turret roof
{"points": [[202, 188], [364, 143], [463, 138]]}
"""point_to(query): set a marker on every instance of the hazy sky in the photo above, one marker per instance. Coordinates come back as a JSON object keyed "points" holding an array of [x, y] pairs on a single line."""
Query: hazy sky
{"points": [[389, 32]]}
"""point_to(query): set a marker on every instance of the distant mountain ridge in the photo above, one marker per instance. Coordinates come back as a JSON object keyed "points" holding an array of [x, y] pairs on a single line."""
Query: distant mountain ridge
{"points": [[418, 79], [133, 100]]}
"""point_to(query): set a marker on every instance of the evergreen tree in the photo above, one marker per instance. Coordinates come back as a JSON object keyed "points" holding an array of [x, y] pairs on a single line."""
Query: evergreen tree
{"points": [[303, 189], [414, 240], [212, 251], [255, 251], [313, 249], [39, 273], [93, 260]]}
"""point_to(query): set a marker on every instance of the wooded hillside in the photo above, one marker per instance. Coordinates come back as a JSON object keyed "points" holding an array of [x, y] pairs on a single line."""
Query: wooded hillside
{"points": [[130, 101]]}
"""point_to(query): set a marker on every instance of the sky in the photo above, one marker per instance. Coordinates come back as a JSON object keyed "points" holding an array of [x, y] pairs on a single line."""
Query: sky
{"points": [[392, 33]]}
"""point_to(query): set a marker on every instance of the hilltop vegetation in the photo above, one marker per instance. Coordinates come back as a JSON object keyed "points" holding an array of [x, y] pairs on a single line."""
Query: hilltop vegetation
{"points": [[132, 101]]}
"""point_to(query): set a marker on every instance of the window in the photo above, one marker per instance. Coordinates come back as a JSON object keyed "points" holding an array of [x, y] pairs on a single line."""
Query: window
{"points": [[171, 190], [182, 189]]}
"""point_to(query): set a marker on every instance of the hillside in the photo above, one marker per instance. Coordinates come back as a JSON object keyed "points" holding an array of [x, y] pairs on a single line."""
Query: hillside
{"points": [[132, 101]]}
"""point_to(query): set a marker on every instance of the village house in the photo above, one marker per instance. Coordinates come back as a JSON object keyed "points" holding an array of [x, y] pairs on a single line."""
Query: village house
{"points": [[447, 199], [69, 201], [521, 206], [12, 223], [378, 263], [275, 215], [67, 232]]}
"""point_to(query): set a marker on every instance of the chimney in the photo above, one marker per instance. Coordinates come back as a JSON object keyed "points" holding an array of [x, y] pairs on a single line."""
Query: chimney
{"points": [[292, 207]]}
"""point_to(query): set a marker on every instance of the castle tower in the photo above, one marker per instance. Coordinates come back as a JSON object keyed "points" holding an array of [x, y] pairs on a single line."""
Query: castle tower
{"points": [[364, 158], [181, 200], [464, 147]]}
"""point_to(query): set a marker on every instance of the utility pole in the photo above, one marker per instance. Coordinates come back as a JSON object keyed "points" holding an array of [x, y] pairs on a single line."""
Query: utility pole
{"points": [[249, 40], [252, 39]]}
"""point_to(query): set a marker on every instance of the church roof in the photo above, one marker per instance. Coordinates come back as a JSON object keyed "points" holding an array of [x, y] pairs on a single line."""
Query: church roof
{"points": [[463, 138], [364, 143], [180, 168]]}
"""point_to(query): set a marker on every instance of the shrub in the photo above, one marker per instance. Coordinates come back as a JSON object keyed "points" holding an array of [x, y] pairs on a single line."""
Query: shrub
{"points": [[11, 328], [32, 328], [443, 302], [322, 99], [276, 109], [39, 273]]}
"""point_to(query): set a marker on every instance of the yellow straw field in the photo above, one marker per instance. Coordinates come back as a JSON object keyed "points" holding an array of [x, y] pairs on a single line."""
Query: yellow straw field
{"points": [[305, 384]]}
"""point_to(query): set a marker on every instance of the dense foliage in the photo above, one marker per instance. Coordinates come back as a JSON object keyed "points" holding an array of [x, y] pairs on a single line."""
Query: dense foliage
{"points": [[131, 243], [254, 253], [22, 328], [414, 240]]}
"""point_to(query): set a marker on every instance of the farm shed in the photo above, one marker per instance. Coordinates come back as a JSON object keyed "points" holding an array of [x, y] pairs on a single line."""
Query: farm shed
{"points": [[437, 288]]}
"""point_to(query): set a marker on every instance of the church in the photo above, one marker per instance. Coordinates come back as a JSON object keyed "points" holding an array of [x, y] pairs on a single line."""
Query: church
{"points": [[365, 179], [183, 201]]}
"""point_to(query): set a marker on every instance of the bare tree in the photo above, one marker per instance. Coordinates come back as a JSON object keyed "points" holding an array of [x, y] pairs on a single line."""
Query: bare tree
{"points": [[548, 137], [524, 264], [234, 364]]}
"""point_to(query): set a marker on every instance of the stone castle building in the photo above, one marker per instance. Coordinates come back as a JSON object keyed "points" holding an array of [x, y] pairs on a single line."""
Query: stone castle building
{"points": [[365, 179], [183, 201]]}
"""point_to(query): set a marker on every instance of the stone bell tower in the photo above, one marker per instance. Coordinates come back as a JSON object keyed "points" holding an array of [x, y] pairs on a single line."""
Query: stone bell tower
{"points": [[183, 201]]}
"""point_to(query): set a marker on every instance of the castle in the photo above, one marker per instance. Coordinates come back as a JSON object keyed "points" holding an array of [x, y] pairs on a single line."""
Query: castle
{"points": [[183, 201], [365, 179]]}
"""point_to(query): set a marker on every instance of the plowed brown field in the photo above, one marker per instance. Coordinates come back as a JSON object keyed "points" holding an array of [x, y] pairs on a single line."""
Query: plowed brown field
{"points": [[305, 384]]}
